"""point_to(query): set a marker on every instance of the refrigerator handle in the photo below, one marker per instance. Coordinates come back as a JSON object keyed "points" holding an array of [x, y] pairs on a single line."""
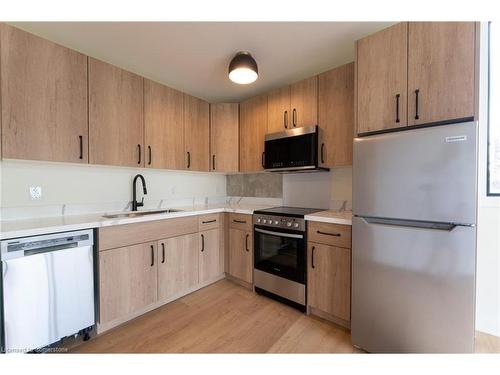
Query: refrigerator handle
{"points": [[413, 223]]}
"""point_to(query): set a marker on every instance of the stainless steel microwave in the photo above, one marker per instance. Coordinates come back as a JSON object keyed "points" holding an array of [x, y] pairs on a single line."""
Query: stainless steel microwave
{"points": [[293, 150]]}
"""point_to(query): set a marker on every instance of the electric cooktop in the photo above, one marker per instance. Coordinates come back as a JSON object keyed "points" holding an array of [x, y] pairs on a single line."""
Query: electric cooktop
{"points": [[288, 211]]}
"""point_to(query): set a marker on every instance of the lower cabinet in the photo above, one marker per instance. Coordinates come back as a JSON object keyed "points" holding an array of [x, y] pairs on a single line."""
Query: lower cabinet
{"points": [[329, 281], [128, 277], [209, 262], [241, 254], [177, 265]]}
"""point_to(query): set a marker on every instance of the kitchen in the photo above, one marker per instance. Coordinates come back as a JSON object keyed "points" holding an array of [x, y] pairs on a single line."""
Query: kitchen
{"points": [[334, 212]]}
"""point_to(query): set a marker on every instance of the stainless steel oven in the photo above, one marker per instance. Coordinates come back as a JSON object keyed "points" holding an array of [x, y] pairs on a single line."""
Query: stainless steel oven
{"points": [[280, 259]]}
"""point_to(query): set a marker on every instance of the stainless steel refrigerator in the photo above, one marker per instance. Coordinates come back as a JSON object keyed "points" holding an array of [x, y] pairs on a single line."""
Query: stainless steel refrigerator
{"points": [[414, 240]]}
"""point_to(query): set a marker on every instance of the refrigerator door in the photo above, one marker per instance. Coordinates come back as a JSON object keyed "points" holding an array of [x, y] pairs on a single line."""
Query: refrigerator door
{"points": [[412, 288], [425, 174]]}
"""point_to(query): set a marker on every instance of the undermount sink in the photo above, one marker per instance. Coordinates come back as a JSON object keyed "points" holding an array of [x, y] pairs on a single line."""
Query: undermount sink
{"points": [[140, 213]]}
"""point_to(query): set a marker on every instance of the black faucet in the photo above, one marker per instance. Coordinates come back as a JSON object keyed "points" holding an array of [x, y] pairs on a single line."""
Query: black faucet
{"points": [[136, 204]]}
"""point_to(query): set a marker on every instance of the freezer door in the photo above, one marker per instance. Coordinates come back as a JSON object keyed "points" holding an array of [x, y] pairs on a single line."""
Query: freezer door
{"points": [[423, 174], [47, 296], [412, 288]]}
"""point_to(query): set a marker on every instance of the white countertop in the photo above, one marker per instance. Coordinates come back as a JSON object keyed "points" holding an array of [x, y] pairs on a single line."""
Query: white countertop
{"points": [[37, 226], [331, 216]]}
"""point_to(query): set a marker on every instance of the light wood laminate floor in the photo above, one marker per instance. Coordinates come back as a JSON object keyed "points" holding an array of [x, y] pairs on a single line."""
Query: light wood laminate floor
{"points": [[223, 318], [227, 318]]}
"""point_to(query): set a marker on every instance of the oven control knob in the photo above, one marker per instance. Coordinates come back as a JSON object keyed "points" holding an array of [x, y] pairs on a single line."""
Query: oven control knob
{"points": [[264, 221], [296, 225], [289, 224], [258, 220], [276, 222]]}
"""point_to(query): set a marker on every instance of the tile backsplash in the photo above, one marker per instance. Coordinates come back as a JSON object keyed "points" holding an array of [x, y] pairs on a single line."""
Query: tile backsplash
{"points": [[255, 185]]}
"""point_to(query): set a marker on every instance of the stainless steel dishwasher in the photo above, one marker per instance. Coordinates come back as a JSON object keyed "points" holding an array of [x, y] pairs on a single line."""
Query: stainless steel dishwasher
{"points": [[47, 288]]}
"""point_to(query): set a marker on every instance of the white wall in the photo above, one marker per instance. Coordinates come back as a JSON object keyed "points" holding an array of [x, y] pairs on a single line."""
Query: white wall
{"points": [[319, 190], [488, 223], [96, 188]]}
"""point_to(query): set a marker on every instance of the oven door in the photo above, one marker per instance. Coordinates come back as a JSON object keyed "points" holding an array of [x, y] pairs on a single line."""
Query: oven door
{"points": [[280, 252]]}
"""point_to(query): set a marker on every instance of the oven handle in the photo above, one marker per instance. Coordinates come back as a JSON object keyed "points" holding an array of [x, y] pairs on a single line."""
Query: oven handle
{"points": [[279, 234]]}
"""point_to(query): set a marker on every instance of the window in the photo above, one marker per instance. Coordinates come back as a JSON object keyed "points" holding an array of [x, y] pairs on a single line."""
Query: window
{"points": [[493, 112]]}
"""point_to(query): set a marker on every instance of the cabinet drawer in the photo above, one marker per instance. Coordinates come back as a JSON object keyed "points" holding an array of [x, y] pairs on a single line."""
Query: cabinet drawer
{"points": [[210, 221], [240, 221], [329, 234], [129, 234]]}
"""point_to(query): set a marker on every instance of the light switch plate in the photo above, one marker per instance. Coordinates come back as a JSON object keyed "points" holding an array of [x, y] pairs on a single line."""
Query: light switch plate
{"points": [[35, 193]]}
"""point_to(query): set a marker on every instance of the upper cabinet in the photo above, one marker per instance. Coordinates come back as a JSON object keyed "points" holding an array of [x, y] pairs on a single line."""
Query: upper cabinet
{"points": [[336, 116], [440, 71], [381, 61], [196, 133], [293, 106], [224, 133], [115, 116], [253, 128], [163, 126], [415, 73], [44, 99]]}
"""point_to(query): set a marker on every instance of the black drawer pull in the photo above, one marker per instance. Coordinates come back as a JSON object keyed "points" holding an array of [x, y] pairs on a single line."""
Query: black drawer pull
{"points": [[294, 117], [246, 242], [150, 156], [239, 221], [189, 160], [209, 221], [139, 147], [213, 162], [163, 253], [417, 91], [397, 108], [285, 119], [328, 234], [312, 257], [202, 243], [322, 153], [81, 146], [152, 255]]}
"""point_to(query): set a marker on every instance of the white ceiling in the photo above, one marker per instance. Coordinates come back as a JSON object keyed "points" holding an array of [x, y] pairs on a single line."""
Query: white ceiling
{"points": [[193, 56]]}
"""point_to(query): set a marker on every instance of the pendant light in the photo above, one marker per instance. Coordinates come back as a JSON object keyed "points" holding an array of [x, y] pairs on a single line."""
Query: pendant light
{"points": [[243, 68]]}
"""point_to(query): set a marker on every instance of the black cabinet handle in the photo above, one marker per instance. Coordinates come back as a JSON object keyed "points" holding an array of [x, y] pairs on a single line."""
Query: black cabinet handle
{"points": [[163, 252], [294, 117], [263, 162], [246, 242], [239, 221], [152, 255], [322, 153], [189, 159], [285, 119], [209, 221], [213, 162], [80, 138], [149, 152], [397, 107], [328, 234], [417, 91], [312, 257], [139, 147], [202, 243]]}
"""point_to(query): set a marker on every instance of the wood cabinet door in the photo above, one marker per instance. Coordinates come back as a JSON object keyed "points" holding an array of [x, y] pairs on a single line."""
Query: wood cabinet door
{"points": [[253, 128], [224, 133], [127, 280], [329, 279], [279, 117], [115, 116], [336, 116], [441, 75], [209, 255], [196, 133], [304, 102], [241, 254], [163, 126], [177, 265], [44, 99], [381, 61]]}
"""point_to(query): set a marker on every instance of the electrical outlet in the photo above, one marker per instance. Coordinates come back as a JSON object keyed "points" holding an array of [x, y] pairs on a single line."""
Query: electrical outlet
{"points": [[35, 193]]}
